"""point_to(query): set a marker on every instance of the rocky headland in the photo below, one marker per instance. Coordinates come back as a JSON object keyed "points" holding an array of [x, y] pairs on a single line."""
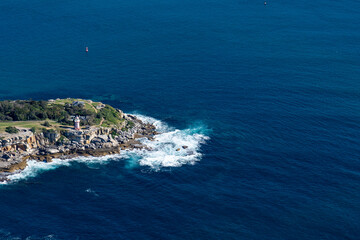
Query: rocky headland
{"points": [[59, 140]]}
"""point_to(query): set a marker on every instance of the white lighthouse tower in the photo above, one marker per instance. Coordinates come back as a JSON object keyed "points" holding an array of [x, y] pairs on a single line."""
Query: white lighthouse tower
{"points": [[77, 123]]}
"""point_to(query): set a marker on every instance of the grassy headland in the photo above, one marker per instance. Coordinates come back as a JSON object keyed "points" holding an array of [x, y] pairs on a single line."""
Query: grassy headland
{"points": [[59, 113]]}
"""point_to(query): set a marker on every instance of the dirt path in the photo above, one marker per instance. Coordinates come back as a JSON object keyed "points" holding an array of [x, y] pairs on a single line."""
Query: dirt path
{"points": [[102, 120], [93, 107]]}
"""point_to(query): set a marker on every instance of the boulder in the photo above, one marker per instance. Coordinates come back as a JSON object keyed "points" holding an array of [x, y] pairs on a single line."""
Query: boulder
{"points": [[107, 145], [96, 141], [78, 103], [52, 150], [23, 147], [104, 138]]}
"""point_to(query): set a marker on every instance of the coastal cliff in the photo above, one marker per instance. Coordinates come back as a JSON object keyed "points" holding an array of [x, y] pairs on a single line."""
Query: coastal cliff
{"points": [[44, 141]]}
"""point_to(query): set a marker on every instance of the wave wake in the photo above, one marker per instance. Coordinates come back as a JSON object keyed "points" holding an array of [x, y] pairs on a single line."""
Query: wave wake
{"points": [[170, 148]]}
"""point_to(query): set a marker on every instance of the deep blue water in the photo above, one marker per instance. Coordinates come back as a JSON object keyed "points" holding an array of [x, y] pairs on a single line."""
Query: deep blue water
{"points": [[273, 91]]}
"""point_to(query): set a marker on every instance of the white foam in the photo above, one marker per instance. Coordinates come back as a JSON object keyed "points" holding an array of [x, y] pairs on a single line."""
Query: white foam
{"points": [[34, 167], [89, 190], [167, 150], [160, 126], [8, 235]]}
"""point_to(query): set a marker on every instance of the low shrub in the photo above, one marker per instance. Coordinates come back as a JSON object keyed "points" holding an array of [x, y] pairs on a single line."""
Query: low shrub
{"points": [[11, 130]]}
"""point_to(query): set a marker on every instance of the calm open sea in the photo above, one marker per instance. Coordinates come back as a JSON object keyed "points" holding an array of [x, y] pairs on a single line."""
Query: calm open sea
{"points": [[266, 97]]}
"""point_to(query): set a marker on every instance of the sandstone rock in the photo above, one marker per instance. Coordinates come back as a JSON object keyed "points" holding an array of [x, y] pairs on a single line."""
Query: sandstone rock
{"points": [[100, 106], [104, 138], [121, 113], [95, 141], [22, 147], [52, 150], [78, 103]]}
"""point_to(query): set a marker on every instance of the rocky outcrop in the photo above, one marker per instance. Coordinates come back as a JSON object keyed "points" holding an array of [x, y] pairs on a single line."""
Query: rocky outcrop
{"points": [[16, 149]]}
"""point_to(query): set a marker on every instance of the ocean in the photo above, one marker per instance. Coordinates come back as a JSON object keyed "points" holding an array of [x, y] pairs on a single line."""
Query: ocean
{"points": [[265, 96]]}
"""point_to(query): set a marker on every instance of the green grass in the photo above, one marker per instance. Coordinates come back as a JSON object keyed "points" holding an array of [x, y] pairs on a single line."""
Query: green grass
{"points": [[95, 104], [110, 115], [63, 101], [88, 105], [28, 124]]}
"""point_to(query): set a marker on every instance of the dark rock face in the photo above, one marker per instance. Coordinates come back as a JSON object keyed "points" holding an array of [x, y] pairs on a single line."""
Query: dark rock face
{"points": [[51, 136]]}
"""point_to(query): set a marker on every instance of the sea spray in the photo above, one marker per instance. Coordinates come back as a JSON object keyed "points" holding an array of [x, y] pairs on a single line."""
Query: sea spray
{"points": [[159, 125], [173, 147]]}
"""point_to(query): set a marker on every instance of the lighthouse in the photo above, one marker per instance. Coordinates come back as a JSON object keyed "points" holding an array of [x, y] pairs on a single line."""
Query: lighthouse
{"points": [[77, 123]]}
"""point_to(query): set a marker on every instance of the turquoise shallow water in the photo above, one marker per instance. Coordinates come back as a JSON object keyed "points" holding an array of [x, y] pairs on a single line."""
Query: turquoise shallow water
{"points": [[267, 97]]}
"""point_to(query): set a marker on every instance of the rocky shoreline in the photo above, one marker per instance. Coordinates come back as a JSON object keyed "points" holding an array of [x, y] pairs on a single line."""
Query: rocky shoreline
{"points": [[17, 149]]}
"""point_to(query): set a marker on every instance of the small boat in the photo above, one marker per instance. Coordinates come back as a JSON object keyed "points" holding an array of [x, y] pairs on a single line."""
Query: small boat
{"points": [[86, 49]]}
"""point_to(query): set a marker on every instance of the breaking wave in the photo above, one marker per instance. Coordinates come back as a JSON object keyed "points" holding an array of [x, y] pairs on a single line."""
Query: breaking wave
{"points": [[170, 148], [34, 167]]}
